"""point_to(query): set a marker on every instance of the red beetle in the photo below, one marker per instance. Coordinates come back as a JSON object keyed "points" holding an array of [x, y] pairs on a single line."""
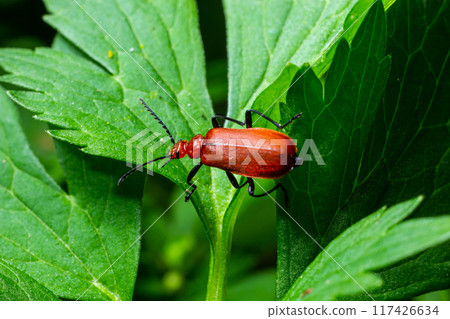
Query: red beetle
{"points": [[250, 152]]}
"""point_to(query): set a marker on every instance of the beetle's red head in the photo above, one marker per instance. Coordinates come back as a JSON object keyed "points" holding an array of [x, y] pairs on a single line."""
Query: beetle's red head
{"points": [[178, 150]]}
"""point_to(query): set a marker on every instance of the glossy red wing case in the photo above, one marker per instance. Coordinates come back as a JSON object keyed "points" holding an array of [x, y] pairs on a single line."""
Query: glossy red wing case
{"points": [[253, 152]]}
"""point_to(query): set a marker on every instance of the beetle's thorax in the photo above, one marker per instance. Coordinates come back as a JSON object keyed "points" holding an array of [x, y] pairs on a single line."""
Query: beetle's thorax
{"points": [[191, 148]]}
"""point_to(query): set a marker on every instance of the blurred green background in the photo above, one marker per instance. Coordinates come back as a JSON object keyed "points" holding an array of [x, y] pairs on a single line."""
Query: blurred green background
{"points": [[175, 253]]}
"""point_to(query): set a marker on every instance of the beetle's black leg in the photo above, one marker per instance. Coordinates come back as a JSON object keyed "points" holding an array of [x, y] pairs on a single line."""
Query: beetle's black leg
{"points": [[190, 177], [251, 191], [215, 123], [249, 121], [234, 181]]}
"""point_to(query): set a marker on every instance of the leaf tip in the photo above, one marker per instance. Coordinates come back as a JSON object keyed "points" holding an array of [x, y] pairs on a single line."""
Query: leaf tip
{"points": [[12, 94], [420, 198]]}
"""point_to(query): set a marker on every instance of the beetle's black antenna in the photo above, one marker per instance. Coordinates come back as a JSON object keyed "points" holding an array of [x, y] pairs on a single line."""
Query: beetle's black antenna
{"points": [[159, 120], [140, 166]]}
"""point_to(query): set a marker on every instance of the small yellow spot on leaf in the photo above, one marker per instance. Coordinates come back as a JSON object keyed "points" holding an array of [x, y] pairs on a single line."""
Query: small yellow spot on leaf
{"points": [[110, 54], [141, 46]]}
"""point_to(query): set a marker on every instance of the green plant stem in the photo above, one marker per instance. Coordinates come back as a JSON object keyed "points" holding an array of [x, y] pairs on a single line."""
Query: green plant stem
{"points": [[220, 251], [218, 269]]}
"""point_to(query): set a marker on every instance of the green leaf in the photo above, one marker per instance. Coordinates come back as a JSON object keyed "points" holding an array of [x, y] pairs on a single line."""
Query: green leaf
{"points": [[405, 154], [71, 244], [152, 50], [266, 35], [337, 118], [16, 285], [377, 241], [129, 50], [98, 105], [412, 155]]}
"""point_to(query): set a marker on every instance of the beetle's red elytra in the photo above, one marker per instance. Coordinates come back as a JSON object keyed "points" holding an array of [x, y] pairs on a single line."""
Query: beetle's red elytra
{"points": [[250, 152]]}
